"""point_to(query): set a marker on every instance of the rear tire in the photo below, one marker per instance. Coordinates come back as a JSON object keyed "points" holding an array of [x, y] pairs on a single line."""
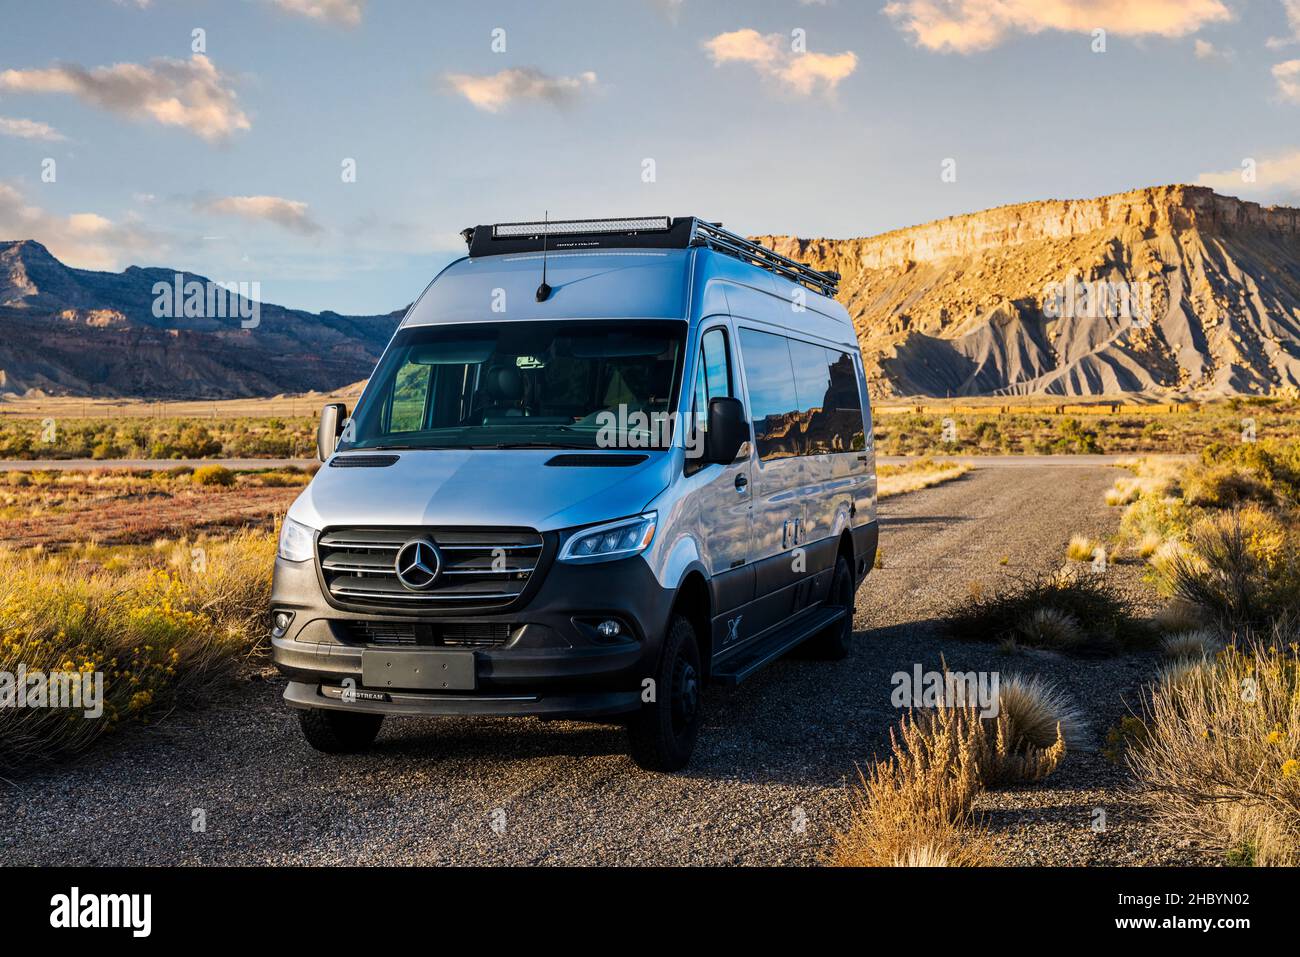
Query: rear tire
{"points": [[833, 643], [339, 732], [662, 734]]}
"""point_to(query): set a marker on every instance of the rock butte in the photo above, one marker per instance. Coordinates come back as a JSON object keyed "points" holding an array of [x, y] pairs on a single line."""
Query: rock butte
{"points": [[956, 307]]}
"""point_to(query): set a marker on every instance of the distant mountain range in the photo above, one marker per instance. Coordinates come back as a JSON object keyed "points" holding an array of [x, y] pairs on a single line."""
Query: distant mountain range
{"points": [[66, 331], [1026, 299], [1171, 290]]}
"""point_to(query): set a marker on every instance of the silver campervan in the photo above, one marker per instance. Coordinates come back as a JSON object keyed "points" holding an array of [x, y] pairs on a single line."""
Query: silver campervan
{"points": [[600, 465]]}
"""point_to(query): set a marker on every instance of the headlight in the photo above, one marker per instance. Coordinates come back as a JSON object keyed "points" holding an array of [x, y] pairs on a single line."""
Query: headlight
{"points": [[296, 541], [628, 536]]}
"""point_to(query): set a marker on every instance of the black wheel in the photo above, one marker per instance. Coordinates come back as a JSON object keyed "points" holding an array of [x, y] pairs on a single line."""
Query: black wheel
{"points": [[339, 732], [833, 643], [662, 734]]}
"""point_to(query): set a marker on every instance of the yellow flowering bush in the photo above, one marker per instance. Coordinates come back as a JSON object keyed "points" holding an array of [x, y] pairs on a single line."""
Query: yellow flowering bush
{"points": [[1221, 751], [159, 630]]}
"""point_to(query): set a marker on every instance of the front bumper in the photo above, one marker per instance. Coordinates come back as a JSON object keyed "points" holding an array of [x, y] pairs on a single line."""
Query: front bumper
{"points": [[554, 663]]}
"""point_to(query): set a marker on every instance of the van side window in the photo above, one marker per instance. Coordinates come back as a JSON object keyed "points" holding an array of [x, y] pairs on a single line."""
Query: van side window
{"points": [[812, 383], [773, 401], [713, 380], [843, 404]]}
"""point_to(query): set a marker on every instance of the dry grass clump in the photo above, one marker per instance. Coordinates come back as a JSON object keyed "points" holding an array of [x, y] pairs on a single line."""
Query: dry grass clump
{"points": [[1050, 628], [159, 634], [1084, 549], [1178, 615], [915, 809], [1195, 644], [917, 805], [1221, 750], [1039, 714]]}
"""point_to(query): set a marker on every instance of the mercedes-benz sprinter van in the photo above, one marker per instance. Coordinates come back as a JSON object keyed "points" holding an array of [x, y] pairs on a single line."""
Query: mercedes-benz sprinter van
{"points": [[600, 465]]}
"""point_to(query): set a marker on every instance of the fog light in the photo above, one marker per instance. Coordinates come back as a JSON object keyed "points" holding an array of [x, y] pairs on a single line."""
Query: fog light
{"points": [[609, 628], [280, 622]]}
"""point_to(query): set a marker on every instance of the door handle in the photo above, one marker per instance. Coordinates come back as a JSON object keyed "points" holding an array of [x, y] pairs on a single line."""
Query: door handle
{"points": [[741, 482]]}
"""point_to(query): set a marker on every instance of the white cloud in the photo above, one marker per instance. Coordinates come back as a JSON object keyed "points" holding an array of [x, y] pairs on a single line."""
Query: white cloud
{"points": [[494, 92], [1287, 76], [85, 240], [1277, 178], [1292, 10], [29, 130], [1205, 50], [291, 214], [770, 54], [346, 12], [965, 26], [187, 93]]}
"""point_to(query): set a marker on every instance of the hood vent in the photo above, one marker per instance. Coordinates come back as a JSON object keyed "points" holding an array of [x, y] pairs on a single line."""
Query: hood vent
{"points": [[596, 460], [362, 461]]}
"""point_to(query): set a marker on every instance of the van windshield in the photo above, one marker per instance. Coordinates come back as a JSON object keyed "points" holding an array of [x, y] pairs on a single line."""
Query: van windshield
{"points": [[561, 384]]}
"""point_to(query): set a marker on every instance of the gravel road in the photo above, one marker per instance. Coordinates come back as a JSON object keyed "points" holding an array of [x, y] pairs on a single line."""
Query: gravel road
{"points": [[768, 784]]}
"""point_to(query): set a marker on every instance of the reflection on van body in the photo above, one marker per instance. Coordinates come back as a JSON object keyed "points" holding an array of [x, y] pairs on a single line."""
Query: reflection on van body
{"points": [[648, 475]]}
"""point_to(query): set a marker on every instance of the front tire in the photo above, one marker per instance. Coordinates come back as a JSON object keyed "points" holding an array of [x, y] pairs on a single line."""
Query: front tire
{"points": [[662, 734], [833, 643], [339, 732]]}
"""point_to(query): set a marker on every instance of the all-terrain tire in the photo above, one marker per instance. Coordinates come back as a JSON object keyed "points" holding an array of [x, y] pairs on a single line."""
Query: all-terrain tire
{"points": [[662, 733], [339, 732], [833, 643]]}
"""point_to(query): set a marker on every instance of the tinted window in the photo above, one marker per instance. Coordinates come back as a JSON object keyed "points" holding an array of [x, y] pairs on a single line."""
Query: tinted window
{"points": [[773, 401], [812, 382], [842, 408], [712, 377]]}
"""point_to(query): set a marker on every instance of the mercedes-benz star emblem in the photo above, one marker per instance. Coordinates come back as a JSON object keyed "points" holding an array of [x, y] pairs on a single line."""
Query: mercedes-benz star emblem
{"points": [[418, 564]]}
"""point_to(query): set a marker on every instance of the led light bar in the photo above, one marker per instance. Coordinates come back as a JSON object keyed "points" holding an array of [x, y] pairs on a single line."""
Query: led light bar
{"points": [[575, 227]]}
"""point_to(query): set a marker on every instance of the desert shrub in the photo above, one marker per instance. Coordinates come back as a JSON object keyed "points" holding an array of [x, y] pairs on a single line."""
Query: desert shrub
{"points": [[1220, 754], [1272, 463], [159, 637], [1105, 617], [213, 475], [1225, 486], [1156, 518], [1073, 438], [1241, 568], [279, 478]]}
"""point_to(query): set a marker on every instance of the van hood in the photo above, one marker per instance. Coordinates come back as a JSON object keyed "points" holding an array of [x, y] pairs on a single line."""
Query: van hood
{"points": [[470, 487]]}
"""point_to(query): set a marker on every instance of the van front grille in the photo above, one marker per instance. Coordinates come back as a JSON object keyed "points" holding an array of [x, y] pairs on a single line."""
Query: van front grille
{"points": [[479, 569], [486, 634]]}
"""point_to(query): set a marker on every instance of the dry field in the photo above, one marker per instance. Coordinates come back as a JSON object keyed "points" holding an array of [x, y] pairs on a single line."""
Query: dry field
{"points": [[56, 510]]}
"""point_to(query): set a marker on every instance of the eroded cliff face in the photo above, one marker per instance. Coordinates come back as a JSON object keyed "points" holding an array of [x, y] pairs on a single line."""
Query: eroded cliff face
{"points": [[1167, 289]]}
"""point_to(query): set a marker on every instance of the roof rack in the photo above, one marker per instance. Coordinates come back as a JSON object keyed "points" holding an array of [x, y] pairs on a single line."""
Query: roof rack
{"points": [[715, 237], [658, 232]]}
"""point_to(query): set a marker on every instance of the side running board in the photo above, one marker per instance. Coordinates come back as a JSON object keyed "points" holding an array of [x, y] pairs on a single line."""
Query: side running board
{"points": [[748, 660]]}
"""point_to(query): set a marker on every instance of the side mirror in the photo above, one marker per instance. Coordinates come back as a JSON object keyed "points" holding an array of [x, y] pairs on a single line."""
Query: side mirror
{"points": [[728, 430], [330, 428]]}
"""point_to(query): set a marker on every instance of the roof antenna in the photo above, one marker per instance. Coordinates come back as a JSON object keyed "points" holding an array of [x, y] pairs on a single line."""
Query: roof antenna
{"points": [[544, 290]]}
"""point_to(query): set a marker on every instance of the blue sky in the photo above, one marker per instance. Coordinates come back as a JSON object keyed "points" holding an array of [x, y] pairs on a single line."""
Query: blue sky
{"points": [[229, 162]]}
